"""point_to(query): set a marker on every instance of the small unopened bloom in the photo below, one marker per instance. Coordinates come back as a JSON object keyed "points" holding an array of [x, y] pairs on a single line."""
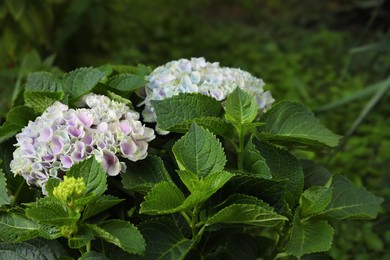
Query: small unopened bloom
{"points": [[61, 137], [198, 76], [70, 188]]}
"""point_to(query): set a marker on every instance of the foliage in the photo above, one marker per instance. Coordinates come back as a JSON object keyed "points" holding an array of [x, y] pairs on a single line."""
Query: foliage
{"points": [[196, 184]]}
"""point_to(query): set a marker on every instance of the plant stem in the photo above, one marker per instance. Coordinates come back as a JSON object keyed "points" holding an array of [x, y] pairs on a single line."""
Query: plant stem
{"points": [[186, 217], [194, 221], [240, 151], [88, 246]]}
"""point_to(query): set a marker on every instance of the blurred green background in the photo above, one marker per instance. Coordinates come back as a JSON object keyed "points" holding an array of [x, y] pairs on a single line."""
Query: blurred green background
{"points": [[331, 55]]}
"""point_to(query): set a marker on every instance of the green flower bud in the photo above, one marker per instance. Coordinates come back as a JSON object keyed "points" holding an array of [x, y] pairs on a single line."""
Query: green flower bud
{"points": [[71, 188]]}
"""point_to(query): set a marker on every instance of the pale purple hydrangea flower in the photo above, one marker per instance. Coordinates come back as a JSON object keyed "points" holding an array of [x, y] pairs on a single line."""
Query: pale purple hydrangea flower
{"points": [[61, 137], [197, 75]]}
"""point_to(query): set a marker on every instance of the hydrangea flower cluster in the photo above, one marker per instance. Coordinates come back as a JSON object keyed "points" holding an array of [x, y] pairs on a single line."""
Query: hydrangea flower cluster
{"points": [[197, 75], [61, 137]]}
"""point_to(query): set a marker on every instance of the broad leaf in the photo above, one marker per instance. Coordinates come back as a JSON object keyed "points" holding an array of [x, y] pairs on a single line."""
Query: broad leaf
{"points": [[164, 198], [43, 82], [81, 238], [102, 203], [122, 234], [348, 201], [50, 184], [164, 240], [127, 82], [315, 200], [17, 118], [49, 210], [4, 200], [16, 227], [290, 122], [283, 165], [142, 175], [243, 246], [93, 175], [315, 174], [81, 81], [254, 163], [199, 151], [33, 249], [184, 107], [309, 237], [215, 125], [241, 108], [93, 255], [39, 101], [16, 7]]}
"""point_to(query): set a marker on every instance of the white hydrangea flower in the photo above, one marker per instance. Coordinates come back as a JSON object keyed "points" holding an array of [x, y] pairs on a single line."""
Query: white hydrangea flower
{"points": [[61, 137], [197, 75]]}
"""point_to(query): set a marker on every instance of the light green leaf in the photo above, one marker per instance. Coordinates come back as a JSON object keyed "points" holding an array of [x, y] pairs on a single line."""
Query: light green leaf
{"points": [[348, 201], [102, 203], [127, 82], [16, 7], [49, 210], [122, 234], [254, 163], [247, 214], [81, 81], [315, 200], [309, 237], [49, 232], [241, 108], [283, 165], [93, 175], [4, 200], [142, 175], [93, 255], [39, 248], [81, 238], [199, 151], [16, 227], [184, 107], [163, 198], [39, 101], [17, 118], [43, 82], [215, 125], [290, 122], [164, 240]]}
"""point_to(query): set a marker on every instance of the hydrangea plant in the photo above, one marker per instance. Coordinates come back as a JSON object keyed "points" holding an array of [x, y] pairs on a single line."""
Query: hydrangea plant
{"points": [[225, 182]]}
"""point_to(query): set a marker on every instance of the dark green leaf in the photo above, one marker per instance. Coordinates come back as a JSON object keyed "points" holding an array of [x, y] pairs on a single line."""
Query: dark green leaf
{"points": [[51, 183], [315, 200], [164, 240], [43, 82], [315, 174], [102, 203], [16, 7], [142, 175], [16, 227], [122, 234], [185, 107], [127, 82], [309, 237], [290, 122], [81, 238], [4, 200], [17, 118], [348, 201], [241, 108], [92, 255], [254, 163], [199, 151], [215, 125], [39, 101]]}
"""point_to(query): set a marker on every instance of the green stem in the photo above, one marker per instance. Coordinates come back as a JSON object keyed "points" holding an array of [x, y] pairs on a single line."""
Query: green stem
{"points": [[194, 221], [240, 151], [186, 217], [88, 246]]}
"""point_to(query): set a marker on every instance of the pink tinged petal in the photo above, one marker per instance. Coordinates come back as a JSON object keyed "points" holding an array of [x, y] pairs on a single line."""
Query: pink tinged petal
{"points": [[87, 140], [46, 135], [102, 127], [128, 148], [66, 161], [111, 163], [56, 145], [85, 119], [76, 156], [125, 127], [48, 158], [75, 131]]}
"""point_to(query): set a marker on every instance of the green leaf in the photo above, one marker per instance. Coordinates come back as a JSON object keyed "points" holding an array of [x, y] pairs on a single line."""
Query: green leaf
{"points": [[215, 125], [4, 200], [39, 101], [290, 122], [33, 249], [283, 165], [49, 210], [164, 240], [51, 183], [93, 255], [17, 118], [102, 203], [127, 82], [247, 214], [16, 7], [349, 201], [315, 200], [43, 82], [241, 108], [81, 81], [184, 107], [164, 198], [199, 151], [242, 246], [315, 174], [93, 175], [122, 234], [16, 227], [81, 238], [254, 163], [142, 175], [309, 237], [49, 232]]}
